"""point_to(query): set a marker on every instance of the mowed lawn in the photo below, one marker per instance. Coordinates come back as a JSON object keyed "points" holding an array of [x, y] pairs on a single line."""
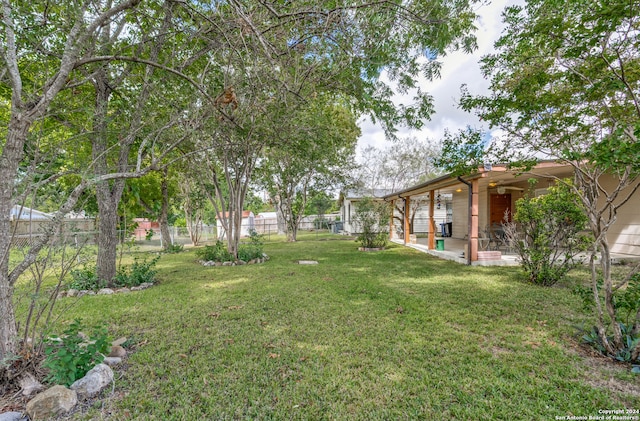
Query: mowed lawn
{"points": [[386, 335]]}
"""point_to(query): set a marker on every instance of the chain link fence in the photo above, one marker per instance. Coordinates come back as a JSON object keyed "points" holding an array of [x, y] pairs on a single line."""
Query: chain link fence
{"points": [[152, 239]]}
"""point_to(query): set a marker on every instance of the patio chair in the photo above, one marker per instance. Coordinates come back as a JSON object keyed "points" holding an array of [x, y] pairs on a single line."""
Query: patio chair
{"points": [[497, 237], [484, 240], [500, 239]]}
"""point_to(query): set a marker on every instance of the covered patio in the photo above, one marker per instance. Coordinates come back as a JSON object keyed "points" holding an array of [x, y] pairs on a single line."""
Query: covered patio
{"points": [[481, 202], [454, 250]]}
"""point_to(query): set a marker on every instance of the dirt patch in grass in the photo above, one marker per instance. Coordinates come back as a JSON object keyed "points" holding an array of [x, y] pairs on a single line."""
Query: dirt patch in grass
{"points": [[604, 373]]}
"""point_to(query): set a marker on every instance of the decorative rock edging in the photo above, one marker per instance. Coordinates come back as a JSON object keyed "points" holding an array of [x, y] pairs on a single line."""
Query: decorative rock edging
{"points": [[104, 291], [371, 248], [59, 400], [257, 261]]}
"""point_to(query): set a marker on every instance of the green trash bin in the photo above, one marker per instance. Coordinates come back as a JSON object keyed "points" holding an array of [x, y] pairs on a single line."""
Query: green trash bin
{"points": [[440, 244]]}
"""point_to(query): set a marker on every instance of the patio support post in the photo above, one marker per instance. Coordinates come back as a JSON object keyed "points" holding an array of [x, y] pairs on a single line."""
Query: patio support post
{"points": [[407, 219], [470, 222], [473, 231], [393, 207], [432, 221]]}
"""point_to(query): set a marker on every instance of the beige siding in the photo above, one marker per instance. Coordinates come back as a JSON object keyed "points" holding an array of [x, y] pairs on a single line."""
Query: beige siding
{"points": [[624, 234], [460, 213]]}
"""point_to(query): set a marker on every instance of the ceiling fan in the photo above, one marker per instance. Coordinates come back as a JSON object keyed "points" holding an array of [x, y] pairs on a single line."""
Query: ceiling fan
{"points": [[503, 189]]}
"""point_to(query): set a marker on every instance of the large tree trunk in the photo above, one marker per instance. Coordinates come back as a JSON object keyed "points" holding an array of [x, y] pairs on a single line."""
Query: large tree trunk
{"points": [[12, 154], [8, 327], [107, 193], [282, 226], [107, 235]]}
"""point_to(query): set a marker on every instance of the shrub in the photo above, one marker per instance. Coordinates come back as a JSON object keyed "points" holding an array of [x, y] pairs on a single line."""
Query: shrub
{"points": [[174, 248], [546, 233], [371, 218], [626, 303], [138, 273], [71, 357], [252, 250], [215, 253], [85, 279]]}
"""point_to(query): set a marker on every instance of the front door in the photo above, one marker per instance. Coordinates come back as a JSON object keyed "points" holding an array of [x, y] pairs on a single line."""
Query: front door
{"points": [[498, 205]]}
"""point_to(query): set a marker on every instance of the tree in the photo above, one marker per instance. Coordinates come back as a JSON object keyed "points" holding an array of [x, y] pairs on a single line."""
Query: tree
{"points": [[193, 203], [152, 196], [24, 32], [370, 218], [564, 85], [404, 163], [313, 151], [50, 90], [53, 55]]}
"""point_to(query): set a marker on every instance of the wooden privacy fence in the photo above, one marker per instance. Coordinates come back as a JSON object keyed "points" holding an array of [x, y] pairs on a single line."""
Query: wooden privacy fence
{"points": [[71, 232]]}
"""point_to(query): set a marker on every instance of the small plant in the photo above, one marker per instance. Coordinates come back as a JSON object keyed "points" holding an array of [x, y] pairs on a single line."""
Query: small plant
{"points": [[70, 357], [138, 273], [148, 235], [626, 304], [174, 248], [215, 253], [85, 279], [252, 250], [371, 219]]}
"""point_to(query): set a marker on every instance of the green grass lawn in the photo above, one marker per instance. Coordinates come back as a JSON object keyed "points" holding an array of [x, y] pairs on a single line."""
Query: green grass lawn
{"points": [[387, 335]]}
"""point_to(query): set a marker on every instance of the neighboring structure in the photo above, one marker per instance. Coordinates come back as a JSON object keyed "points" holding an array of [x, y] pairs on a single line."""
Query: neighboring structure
{"points": [[143, 226], [419, 214], [248, 224], [483, 199], [348, 202], [266, 222], [27, 225]]}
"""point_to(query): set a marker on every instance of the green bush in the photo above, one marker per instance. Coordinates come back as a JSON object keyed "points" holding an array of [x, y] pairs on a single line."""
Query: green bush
{"points": [[174, 248], [215, 253], [371, 219], [252, 250], [138, 273], [72, 356], [546, 233], [85, 279]]}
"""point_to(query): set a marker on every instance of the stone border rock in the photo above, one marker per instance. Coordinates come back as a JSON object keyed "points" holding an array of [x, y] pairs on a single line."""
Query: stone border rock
{"points": [[371, 248], [257, 261], [59, 400], [104, 291]]}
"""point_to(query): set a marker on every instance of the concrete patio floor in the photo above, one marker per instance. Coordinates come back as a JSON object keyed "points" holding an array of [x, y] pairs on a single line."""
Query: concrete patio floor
{"points": [[454, 250]]}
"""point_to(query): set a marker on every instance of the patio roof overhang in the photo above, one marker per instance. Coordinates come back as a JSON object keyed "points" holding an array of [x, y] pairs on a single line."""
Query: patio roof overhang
{"points": [[445, 184], [495, 175], [489, 176]]}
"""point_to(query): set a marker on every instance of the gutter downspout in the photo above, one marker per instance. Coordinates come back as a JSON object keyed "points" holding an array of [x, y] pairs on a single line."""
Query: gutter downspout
{"points": [[468, 256]]}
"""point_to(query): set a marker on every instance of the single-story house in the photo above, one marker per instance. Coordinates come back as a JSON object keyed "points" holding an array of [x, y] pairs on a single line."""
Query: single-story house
{"points": [[419, 215], [143, 226], [349, 201], [248, 224], [483, 199]]}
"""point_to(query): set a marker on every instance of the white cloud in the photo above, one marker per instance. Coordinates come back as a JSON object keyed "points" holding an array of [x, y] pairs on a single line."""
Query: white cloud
{"points": [[457, 69]]}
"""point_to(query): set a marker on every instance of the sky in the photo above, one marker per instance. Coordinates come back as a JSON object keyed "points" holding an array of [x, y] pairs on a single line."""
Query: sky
{"points": [[457, 68]]}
